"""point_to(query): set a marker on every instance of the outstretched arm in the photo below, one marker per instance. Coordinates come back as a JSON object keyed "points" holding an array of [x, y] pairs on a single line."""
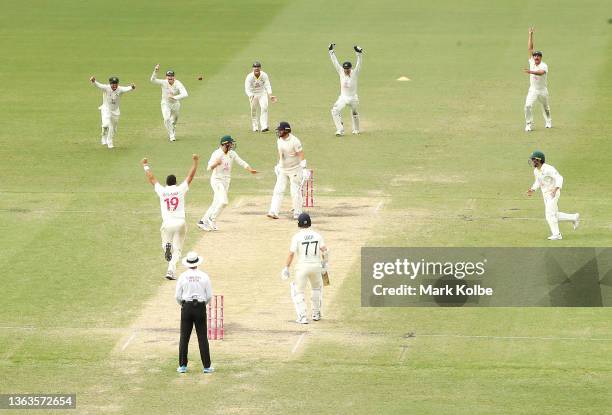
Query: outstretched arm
{"points": [[148, 172], [96, 83], [530, 43], [154, 75], [332, 55], [359, 59], [193, 169]]}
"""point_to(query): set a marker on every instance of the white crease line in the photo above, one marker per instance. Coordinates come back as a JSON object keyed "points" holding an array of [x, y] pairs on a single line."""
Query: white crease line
{"points": [[515, 337], [238, 202], [297, 344], [128, 341]]}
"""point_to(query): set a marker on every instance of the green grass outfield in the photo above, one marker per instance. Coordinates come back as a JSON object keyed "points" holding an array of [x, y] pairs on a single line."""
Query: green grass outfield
{"points": [[80, 224]]}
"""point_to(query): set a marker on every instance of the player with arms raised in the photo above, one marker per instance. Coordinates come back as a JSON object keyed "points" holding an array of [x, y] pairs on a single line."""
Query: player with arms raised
{"points": [[172, 202], [173, 91], [538, 90], [109, 110], [348, 89]]}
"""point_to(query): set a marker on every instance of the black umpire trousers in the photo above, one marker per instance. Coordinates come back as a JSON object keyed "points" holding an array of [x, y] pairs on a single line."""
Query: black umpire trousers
{"points": [[193, 313]]}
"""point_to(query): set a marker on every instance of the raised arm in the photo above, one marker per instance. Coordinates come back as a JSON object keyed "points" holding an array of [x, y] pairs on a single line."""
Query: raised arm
{"points": [[154, 76], [96, 83], [193, 169], [148, 172], [530, 43], [333, 58], [359, 53], [125, 89]]}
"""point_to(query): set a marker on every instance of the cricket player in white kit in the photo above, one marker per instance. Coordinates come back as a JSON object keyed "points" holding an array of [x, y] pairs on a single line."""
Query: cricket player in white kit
{"points": [[258, 88], [220, 164], [549, 181], [291, 168], [348, 90], [109, 110], [173, 92], [312, 255], [538, 90], [172, 203]]}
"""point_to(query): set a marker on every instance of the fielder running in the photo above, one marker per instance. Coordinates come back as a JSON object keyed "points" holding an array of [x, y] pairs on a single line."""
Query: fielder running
{"points": [[258, 88], [291, 167], [348, 90], [311, 263], [549, 181], [109, 110], [172, 202], [173, 92], [538, 90], [220, 164]]}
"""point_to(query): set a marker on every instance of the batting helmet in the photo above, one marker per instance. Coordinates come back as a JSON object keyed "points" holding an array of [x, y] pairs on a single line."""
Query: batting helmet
{"points": [[347, 65], [113, 80], [284, 126], [304, 220], [538, 155], [170, 72], [256, 64], [537, 53]]}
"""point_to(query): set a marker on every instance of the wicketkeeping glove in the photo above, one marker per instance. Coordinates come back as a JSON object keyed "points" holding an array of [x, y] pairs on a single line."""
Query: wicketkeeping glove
{"points": [[331, 46], [358, 49]]}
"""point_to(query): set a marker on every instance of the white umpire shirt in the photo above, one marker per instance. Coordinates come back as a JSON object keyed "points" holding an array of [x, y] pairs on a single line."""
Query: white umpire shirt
{"points": [[193, 284]]}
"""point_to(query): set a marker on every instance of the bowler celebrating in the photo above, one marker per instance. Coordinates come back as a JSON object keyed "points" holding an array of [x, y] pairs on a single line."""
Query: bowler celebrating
{"points": [[549, 181], [172, 202], [173, 92], [538, 90], [109, 110], [220, 164], [348, 90], [258, 88]]}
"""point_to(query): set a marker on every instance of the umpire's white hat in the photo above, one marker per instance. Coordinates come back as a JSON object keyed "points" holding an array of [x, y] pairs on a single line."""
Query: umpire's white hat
{"points": [[192, 259]]}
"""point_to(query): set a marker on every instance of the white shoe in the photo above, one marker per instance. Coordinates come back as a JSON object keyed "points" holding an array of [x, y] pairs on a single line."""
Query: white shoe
{"points": [[549, 124], [577, 221], [211, 223], [302, 320], [528, 128], [316, 316], [272, 215], [356, 132], [296, 216], [110, 145], [172, 138], [170, 275], [339, 133], [204, 226], [556, 237], [103, 141]]}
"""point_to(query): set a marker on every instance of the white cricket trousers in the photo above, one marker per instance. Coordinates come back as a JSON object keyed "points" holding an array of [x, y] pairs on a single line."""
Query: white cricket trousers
{"points": [[339, 105], [295, 179], [532, 96], [307, 273], [553, 216], [220, 199], [259, 103], [173, 232], [110, 123], [170, 112]]}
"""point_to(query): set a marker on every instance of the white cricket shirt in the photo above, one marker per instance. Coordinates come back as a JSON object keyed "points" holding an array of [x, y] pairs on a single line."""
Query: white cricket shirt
{"points": [[546, 179], [193, 284], [110, 98], [172, 200], [177, 90], [537, 82], [288, 149], [257, 86], [348, 83], [306, 245], [224, 170]]}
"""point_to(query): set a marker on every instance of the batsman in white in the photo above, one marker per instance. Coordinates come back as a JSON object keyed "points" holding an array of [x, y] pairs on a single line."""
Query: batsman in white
{"points": [[109, 110], [348, 89], [549, 181], [172, 202], [220, 164], [258, 88], [173, 92], [538, 90], [311, 263], [291, 167]]}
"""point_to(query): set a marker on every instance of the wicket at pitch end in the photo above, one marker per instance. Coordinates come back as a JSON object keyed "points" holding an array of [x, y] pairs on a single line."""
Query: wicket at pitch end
{"points": [[308, 191], [214, 314]]}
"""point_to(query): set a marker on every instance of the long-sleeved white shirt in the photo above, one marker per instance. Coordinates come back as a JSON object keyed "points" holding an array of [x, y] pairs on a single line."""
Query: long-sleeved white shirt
{"points": [[537, 82], [348, 83], [546, 179], [110, 98], [257, 85], [224, 170], [193, 284], [176, 90]]}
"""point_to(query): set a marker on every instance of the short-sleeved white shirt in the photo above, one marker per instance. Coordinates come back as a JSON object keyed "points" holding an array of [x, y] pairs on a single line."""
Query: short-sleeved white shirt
{"points": [[306, 245], [172, 200], [288, 149], [537, 82]]}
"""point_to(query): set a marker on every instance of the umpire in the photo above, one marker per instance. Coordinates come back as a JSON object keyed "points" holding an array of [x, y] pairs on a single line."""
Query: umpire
{"points": [[193, 292]]}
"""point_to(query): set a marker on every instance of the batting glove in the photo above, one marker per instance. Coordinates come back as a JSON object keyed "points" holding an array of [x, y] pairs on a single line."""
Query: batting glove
{"points": [[285, 274], [331, 46], [358, 49], [306, 174]]}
